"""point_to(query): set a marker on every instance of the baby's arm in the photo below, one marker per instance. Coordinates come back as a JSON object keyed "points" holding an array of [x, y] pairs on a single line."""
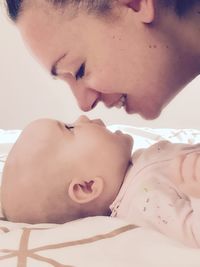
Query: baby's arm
{"points": [[173, 214], [160, 195], [188, 221], [190, 186], [187, 174]]}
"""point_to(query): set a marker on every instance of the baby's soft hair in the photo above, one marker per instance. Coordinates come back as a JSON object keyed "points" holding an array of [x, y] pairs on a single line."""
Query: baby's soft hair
{"points": [[99, 7]]}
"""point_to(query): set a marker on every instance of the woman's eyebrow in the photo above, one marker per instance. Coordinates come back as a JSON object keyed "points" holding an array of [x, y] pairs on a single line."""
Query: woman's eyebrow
{"points": [[55, 65]]}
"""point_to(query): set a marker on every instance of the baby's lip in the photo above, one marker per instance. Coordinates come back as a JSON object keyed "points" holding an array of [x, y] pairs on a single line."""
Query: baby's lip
{"points": [[99, 122]]}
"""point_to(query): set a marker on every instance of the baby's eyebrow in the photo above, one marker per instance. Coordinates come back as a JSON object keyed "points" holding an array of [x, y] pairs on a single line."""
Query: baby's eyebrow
{"points": [[55, 66]]}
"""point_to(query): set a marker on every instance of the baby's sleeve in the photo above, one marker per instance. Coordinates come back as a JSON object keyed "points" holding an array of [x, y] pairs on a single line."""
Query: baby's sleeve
{"points": [[154, 200], [171, 213], [194, 219], [180, 218]]}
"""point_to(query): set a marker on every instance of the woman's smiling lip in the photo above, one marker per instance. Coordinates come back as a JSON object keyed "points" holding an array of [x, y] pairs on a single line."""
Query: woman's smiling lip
{"points": [[121, 102]]}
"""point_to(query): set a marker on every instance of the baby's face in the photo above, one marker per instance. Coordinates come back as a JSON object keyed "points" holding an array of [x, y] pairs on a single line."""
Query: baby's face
{"points": [[82, 149]]}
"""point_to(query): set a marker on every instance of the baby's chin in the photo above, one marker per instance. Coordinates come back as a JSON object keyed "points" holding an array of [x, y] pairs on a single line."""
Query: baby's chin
{"points": [[108, 213], [129, 166], [129, 141]]}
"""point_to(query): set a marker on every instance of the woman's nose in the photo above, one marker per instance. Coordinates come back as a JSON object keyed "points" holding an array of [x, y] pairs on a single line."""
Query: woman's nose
{"points": [[87, 98]]}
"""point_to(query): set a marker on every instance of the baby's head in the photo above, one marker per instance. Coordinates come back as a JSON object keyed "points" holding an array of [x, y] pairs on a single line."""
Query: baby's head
{"points": [[57, 172]]}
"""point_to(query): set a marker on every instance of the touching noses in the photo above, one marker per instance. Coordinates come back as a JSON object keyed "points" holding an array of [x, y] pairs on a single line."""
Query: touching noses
{"points": [[87, 98]]}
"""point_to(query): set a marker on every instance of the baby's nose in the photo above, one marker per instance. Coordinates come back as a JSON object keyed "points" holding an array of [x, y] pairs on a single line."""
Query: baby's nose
{"points": [[82, 118]]}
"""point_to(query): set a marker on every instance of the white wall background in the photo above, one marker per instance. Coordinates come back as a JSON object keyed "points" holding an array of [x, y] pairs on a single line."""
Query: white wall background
{"points": [[27, 92]]}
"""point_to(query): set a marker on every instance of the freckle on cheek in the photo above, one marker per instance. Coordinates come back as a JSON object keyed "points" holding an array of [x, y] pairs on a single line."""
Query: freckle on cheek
{"points": [[152, 46]]}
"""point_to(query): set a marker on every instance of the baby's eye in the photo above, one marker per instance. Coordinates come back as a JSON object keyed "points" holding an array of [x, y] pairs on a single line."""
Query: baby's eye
{"points": [[69, 127], [81, 72]]}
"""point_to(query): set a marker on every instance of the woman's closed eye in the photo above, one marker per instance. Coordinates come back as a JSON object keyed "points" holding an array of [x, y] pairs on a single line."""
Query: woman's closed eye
{"points": [[81, 72]]}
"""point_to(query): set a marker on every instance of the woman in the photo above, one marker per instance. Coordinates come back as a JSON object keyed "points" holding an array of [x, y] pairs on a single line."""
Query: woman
{"points": [[136, 54]]}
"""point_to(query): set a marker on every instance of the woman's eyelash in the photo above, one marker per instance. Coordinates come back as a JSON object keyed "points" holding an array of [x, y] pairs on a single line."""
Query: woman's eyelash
{"points": [[81, 72]]}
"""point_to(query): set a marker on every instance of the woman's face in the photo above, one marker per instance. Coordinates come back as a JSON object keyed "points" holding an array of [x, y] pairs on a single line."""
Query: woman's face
{"points": [[119, 62]]}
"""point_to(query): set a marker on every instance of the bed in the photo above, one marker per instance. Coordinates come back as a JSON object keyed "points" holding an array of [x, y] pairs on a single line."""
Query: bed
{"points": [[94, 241]]}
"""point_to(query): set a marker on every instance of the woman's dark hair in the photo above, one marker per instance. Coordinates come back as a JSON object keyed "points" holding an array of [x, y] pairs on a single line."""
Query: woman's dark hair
{"points": [[181, 7], [14, 7]]}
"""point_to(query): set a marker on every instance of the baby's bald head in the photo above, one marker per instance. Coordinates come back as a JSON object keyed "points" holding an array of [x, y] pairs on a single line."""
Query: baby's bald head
{"points": [[34, 190]]}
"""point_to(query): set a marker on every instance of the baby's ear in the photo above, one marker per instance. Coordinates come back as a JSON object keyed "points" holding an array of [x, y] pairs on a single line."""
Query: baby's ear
{"points": [[145, 9], [85, 190]]}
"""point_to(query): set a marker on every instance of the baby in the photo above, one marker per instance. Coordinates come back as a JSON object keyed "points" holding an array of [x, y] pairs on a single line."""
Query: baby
{"points": [[57, 172]]}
